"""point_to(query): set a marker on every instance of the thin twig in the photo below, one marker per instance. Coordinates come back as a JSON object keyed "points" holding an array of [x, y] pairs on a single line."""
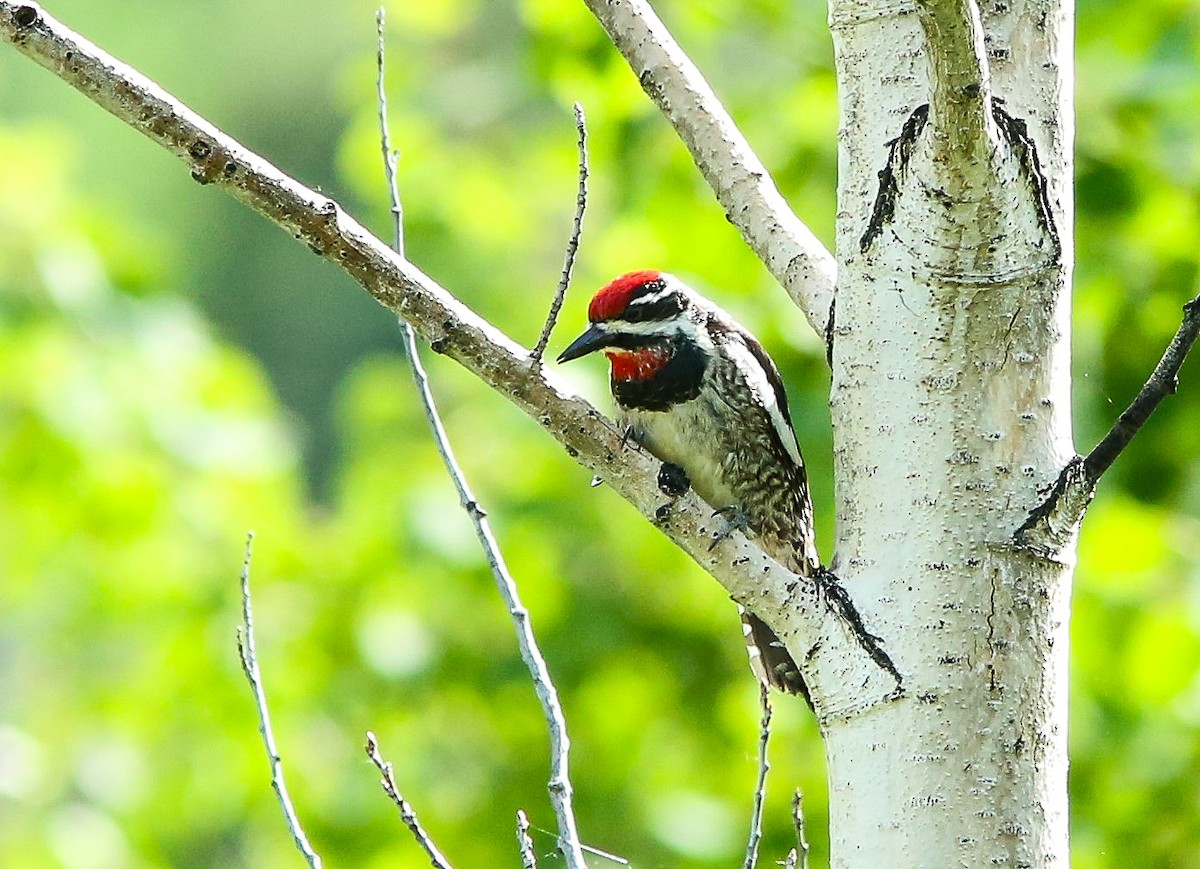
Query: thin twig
{"points": [[760, 786], [572, 242], [1163, 381], [249, 658], [1051, 523], [559, 786], [525, 841], [390, 157], [407, 814], [607, 855], [798, 823]]}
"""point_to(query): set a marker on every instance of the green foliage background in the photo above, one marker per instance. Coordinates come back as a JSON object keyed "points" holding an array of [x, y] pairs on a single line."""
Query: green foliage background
{"points": [[174, 371]]}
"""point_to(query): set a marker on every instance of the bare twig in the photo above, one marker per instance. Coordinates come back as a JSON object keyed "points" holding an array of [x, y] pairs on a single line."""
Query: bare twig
{"points": [[606, 855], [760, 785], [559, 786], [1163, 381], [798, 823], [407, 814], [842, 675], [572, 242], [249, 658], [390, 156], [1051, 523], [741, 183], [525, 841]]}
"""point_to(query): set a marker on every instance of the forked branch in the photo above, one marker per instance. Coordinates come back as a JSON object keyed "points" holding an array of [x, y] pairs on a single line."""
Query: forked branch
{"points": [[960, 105], [740, 181], [963, 191]]}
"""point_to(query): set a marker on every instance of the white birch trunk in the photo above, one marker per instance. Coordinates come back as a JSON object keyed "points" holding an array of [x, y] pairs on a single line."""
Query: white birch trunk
{"points": [[951, 408]]}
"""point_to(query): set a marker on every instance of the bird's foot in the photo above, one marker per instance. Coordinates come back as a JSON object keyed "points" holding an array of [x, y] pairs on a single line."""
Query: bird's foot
{"points": [[673, 480], [733, 518]]}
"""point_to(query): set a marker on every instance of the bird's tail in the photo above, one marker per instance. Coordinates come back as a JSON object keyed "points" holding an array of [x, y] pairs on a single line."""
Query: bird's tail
{"points": [[769, 658]]}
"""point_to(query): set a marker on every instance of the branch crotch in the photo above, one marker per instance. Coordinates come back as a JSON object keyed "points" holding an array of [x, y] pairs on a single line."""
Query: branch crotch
{"points": [[974, 223]]}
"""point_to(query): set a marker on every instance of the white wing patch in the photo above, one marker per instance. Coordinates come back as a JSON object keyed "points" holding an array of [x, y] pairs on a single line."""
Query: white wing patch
{"points": [[757, 380]]}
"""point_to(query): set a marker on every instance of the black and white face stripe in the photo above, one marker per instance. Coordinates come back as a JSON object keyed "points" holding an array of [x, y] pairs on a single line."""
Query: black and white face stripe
{"points": [[657, 301]]}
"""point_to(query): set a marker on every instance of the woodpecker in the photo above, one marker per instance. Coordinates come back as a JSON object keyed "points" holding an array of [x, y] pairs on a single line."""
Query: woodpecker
{"points": [[698, 391]]}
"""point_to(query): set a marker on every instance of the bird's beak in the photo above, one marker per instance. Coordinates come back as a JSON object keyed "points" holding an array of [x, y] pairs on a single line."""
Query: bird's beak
{"points": [[593, 339]]}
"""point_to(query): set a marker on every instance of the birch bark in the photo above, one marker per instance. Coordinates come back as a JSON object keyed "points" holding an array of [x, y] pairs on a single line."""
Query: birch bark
{"points": [[950, 404]]}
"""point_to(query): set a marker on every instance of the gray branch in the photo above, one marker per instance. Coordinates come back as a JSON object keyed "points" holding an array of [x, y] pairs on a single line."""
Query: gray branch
{"points": [[960, 107], [249, 658], [844, 678], [740, 181], [387, 781], [561, 793], [801, 850], [760, 784], [564, 280], [525, 842]]}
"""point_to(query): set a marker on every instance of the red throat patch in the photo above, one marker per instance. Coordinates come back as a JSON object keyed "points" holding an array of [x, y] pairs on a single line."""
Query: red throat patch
{"points": [[636, 364], [613, 297]]}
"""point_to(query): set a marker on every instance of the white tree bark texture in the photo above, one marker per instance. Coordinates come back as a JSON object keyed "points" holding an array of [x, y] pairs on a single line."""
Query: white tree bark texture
{"points": [[951, 410]]}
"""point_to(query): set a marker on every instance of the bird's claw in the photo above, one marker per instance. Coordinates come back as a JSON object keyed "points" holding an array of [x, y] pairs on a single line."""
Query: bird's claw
{"points": [[733, 518]]}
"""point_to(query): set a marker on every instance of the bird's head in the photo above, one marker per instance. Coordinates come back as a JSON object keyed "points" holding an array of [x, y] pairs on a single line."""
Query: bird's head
{"points": [[638, 320]]}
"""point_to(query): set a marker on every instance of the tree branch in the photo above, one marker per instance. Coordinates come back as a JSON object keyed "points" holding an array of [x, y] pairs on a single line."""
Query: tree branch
{"points": [[1163, 381], [1050, 525], [844, 678], [249, 659], [564, 280], [740, 181], [559, 786], [798, 824], [960, 108], [387, 781], [760, 784], [963, 193], [525, 842], [390, 157]]}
